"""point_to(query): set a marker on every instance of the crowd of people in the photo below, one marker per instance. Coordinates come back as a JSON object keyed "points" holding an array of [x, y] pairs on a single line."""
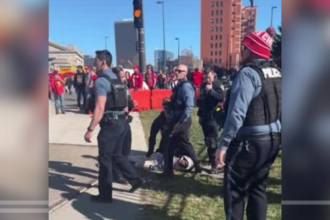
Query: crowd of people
{"points": [[82, 82], [249, 112], [152, 80]]}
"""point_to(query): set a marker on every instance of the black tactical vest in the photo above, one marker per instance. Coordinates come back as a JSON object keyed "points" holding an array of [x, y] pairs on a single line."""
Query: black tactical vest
{"points": [[266, 107], [116, 99], [175, 102], [206, 103]]}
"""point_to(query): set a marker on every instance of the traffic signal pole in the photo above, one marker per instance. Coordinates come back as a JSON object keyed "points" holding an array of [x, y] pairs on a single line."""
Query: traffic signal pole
{"points": [[139, 25], [142, 51]]}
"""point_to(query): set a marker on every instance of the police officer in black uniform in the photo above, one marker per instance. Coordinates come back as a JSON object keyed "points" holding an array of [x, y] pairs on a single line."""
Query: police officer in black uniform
{"points": [[211, 95], [110, 100], [161, 123], [182, 101], [251, 136], [127, 145]]}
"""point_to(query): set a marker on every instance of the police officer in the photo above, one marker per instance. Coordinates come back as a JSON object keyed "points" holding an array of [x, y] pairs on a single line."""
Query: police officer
{"points": [[251, 136], [127, 145], [161, 123], [110, 101], [211, 95], [182, 101]]}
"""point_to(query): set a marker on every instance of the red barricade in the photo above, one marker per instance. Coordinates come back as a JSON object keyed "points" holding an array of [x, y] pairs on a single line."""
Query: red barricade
{"points": [[142, 97], [157, 96]]}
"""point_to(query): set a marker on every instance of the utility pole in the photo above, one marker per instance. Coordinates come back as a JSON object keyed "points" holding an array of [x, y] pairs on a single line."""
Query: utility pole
{"points": [[139, 24], [106, 43], [271, 20], [164, 50], [178, 39]]}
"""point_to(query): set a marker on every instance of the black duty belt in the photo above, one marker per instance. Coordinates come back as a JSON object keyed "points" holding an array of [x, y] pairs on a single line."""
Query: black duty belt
{"points": [[262, 137], [114, 116]]}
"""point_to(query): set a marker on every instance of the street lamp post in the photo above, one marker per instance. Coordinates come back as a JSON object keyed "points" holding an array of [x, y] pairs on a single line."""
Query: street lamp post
{"points": [[106, 46], [271, 21], [164, 50], [178, 39]]}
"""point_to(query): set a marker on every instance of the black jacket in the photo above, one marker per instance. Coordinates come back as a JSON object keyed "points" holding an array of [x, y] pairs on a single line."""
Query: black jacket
{"points": [[159, 124], [208, 101], [79, 80]]}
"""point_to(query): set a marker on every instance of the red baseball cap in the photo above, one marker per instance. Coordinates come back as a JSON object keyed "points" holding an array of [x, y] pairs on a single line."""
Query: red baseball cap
{"points": [[87, 68]]}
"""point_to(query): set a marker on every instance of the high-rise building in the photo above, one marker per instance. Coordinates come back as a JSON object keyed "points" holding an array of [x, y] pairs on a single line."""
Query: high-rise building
{"points": [[159, 58], [89, 60], [248, 20], [126, 39], [221, 31]]}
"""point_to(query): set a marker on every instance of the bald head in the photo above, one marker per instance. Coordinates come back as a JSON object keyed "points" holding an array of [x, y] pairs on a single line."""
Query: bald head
{"points": [[181, 72]]}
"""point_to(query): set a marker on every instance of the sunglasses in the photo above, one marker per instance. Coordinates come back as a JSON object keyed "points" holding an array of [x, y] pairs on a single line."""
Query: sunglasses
{"points": [[180, 71]]}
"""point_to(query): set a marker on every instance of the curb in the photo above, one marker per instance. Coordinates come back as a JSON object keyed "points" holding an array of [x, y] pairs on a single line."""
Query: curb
{"points": [[65, 201], [76, 145]]}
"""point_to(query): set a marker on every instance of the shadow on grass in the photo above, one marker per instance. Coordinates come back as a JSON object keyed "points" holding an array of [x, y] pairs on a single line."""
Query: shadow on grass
{"points": [[186, 185], [274, 181], [274, 198], [183, 184]]}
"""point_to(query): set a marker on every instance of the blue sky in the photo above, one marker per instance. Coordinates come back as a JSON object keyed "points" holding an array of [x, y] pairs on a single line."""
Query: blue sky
{"points": [[85, 23]]}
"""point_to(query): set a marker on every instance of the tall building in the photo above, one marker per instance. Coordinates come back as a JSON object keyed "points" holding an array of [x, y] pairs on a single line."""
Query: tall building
{"points": [[89, 60], [248, 20], [65, 58], [159, 58], [221, 31], [126, 39]]}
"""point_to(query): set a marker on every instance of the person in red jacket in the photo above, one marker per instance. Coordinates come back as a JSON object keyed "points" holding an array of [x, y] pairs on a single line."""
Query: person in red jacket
{"points": [[197, 78], [58, 91], [137, 78], [151, 77]]}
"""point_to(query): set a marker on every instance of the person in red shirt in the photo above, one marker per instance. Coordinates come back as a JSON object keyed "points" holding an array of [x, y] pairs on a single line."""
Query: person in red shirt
{"points": [[137, 78], [151, 77], [197, 78], [58, 91]]}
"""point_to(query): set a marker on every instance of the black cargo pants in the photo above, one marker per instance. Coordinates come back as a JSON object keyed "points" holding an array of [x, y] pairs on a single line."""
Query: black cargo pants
{"points": [[245, 176], [180, 141], [110, 142], [210, 130], [127, 145]]}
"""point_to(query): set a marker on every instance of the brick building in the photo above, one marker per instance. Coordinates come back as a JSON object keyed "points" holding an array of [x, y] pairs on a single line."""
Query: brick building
{"points": [[222, 24]]}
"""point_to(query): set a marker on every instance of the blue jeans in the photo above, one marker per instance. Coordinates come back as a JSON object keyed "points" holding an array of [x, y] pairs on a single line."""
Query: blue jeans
{"points": [[59, 104]]}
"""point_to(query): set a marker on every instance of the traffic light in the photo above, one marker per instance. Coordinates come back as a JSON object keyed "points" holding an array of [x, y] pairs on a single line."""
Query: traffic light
{"points": [[138, 14]]}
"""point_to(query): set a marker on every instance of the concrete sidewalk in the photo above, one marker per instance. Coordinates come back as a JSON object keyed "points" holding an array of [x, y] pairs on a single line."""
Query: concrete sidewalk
{"points": [[72, 169], [125, 206]]}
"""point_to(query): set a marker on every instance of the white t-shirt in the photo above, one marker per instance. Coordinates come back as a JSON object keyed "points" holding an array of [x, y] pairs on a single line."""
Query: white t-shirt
{"points": [[156, 160]]}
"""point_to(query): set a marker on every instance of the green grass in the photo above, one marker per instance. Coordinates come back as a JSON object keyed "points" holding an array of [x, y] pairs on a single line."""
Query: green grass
{"points": [[194, 197]]}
